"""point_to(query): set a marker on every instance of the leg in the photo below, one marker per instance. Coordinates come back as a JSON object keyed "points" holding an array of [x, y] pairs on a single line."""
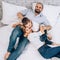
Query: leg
{"points": [[17, 32], [58, 55], [18, 50], [52, 52]]}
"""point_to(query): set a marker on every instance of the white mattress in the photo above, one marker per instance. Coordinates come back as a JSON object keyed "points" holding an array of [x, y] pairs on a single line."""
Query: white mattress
{"points": [[30, 53]]}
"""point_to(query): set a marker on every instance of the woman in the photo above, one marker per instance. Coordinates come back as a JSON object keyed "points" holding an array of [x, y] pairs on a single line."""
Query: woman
{"points": [[21, 31]]}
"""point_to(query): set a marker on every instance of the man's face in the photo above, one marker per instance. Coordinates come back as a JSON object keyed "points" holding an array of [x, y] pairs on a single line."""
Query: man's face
{"points": [[38, 8]]}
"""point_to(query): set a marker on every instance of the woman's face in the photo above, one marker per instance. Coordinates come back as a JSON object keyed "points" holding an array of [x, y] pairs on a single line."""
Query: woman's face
{"points": [[29, 25]]}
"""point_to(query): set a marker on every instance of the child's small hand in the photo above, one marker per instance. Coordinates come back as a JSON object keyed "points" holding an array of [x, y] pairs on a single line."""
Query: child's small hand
{"points": [[49, 36]]}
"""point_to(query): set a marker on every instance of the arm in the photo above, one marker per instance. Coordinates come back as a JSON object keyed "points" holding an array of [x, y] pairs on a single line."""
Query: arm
{"points": [[48, 27], [55, 44], [21, 14], [47, 24], [17, 23], [43, 38]]}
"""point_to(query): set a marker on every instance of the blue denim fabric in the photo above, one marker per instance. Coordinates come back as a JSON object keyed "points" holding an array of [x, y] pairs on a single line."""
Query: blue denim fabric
{"points": [[17, 32], [23, 41], [47, 51]]}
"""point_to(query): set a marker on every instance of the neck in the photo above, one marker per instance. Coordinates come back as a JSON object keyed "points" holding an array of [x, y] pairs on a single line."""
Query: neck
{"points": [[36, 14]]}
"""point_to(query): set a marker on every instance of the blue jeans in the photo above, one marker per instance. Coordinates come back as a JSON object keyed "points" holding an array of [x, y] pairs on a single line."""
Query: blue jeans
{"points": [[23, 41], [47, 51]]}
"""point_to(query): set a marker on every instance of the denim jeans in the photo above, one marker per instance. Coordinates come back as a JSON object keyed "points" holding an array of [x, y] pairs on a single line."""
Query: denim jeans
{"points": [[23, 41], [47, 51]]}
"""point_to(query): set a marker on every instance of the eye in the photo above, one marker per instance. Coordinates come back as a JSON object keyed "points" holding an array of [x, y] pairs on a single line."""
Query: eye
{"points": [[37, 6]]}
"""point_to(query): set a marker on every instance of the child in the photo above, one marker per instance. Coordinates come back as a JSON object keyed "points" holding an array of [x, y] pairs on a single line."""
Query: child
{"points": [[46, 50]]}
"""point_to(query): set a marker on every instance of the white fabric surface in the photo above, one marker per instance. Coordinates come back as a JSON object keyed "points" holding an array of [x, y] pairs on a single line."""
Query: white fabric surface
{"points": [[10, 12], [34, 38]]}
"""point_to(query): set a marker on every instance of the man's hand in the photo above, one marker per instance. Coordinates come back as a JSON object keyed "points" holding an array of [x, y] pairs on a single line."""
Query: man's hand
{"points": [[20, 16]]}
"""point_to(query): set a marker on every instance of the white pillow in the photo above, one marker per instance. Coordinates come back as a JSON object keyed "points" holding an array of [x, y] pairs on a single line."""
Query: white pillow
{"points": [[51, 12], [10, 12]]}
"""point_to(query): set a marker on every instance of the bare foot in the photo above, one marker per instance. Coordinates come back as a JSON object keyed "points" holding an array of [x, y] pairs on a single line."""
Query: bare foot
{"points": [[6, 55]]}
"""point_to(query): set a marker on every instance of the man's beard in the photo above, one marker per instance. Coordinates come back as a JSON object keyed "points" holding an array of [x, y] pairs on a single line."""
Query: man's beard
{"points": [[36, 11]]}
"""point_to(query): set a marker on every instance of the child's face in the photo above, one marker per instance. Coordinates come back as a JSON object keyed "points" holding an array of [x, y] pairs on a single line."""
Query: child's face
{"points": [[29, 25]]}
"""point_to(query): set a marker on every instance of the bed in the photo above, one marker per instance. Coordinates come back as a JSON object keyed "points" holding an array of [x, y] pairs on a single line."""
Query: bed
{"points": [[30, 53]]}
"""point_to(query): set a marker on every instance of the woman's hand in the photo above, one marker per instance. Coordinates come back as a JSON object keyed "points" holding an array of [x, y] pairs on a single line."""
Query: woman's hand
{"points": [[6, 55], [55, 44]]}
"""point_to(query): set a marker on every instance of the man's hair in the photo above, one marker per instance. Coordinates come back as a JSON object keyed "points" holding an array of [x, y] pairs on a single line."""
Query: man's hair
{"points": [[25, 21], [40, 4]]}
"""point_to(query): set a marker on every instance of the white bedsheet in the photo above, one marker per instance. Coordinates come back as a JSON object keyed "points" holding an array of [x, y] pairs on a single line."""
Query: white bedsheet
{"points": [[30, 53]]}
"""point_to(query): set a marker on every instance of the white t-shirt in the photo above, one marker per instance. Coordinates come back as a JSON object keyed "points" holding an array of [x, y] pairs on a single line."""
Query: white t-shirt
{"points": [[35, 26]]}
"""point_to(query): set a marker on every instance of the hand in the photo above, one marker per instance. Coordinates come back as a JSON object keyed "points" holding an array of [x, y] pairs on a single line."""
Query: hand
{"points": [[56, 44], [42, 28], [6, 55], [14, 25], [49, 36], [20, 16]]}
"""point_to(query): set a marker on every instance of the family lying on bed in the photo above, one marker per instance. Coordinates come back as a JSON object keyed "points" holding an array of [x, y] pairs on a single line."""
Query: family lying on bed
{"points": [[25, 27]]}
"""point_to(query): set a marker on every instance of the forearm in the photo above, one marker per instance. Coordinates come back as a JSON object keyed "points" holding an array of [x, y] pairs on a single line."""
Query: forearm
{"points": [[55, 44], [48, 27]]}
